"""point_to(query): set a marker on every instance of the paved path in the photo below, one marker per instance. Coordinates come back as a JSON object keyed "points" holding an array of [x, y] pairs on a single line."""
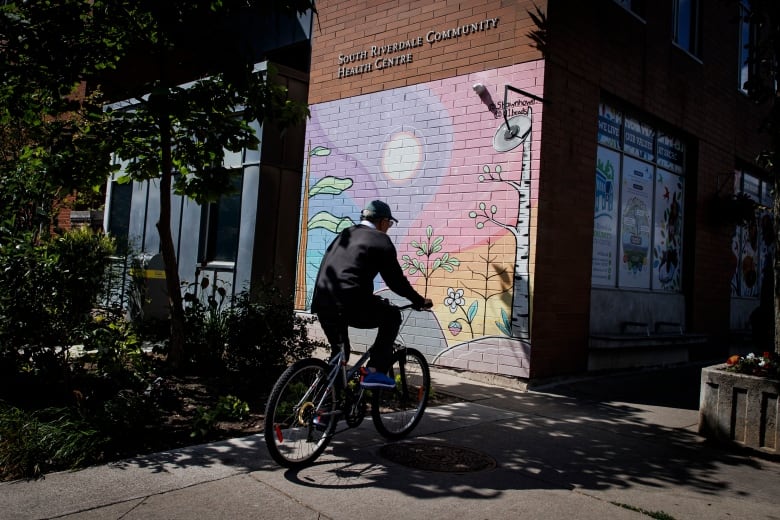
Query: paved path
{"points": [[590, 449]]}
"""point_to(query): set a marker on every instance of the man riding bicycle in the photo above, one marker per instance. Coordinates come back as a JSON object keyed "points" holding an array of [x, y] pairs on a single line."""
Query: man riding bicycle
{"points": [[344, 291]]}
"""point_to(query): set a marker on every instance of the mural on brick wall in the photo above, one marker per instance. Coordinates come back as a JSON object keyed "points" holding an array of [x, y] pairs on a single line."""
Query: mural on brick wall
{"points": [[461, 186]]}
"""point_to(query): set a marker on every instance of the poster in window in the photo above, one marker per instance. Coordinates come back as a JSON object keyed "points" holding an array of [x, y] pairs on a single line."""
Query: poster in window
{"points": [[745, 247], [766, 254], [668, 223], [766, 195], [638, 139], [671, 153], [605, 216], [610, 121], [635, 214]]}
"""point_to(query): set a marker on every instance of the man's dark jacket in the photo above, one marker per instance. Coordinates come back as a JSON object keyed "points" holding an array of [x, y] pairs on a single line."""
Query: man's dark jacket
{"points": [[346, 277]]}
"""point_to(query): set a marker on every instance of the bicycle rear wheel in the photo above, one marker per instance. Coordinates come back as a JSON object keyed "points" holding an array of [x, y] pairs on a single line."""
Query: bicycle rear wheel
{"points": [[396, 412], [299, 416]]}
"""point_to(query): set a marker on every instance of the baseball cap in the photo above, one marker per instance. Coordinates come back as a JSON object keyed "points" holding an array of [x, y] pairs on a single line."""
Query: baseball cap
{"points": [[378, 209]]}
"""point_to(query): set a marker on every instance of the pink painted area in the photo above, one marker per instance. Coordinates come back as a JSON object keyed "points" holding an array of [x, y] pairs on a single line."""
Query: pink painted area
{"points": [[423, 149], [442, 196]]}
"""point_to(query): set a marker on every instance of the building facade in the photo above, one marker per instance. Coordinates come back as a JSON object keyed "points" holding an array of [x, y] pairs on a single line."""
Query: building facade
{"points": [[558, 203], [562, 176]]}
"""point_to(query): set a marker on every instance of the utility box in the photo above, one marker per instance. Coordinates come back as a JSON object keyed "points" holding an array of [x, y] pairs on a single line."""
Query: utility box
{"points": [[151, 294]]}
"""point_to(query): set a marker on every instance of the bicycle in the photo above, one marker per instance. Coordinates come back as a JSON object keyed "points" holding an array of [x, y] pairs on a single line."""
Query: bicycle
{"points": [[312, 396]]}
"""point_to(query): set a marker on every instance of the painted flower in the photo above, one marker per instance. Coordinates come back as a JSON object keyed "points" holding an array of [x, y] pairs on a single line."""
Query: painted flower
{"points": [[454, 299]]}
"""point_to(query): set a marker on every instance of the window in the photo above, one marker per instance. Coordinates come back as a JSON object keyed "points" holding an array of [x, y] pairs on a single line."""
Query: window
{"points": [[219, 226], [687, 32], [639, 204], [747, 45], [119, 214], [753, 243]]}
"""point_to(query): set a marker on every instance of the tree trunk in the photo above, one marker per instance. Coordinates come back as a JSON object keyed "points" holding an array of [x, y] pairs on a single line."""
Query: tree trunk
{"points": [[173, 284]]}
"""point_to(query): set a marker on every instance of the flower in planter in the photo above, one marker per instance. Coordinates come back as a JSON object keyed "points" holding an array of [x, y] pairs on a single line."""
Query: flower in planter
{"points": [[765, 365]]}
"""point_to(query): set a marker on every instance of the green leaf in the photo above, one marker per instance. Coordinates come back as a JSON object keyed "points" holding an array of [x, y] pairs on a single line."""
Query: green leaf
{"points": [[472, 311], [330, 186], [326, 220], [320, 151]]}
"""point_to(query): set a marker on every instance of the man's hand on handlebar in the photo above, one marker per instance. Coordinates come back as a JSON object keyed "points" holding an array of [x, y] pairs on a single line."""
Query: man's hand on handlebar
{"points": [[427, 305]]}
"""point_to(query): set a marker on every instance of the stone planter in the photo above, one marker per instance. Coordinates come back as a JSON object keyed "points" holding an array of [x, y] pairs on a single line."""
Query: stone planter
{"points": [[739, 409]]}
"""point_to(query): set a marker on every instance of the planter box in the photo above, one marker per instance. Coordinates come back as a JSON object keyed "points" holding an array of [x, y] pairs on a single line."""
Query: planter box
{"points": [[740, 409]]}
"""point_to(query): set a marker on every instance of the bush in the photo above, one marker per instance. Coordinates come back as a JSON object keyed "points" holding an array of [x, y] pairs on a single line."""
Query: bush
{"points": [[50, 439], [228, 408], [264, 336], [256, 337], [205, 325], [47, 292]]}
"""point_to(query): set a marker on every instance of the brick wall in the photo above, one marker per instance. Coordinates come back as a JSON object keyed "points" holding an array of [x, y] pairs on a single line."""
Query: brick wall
{"points": [[608, 50], [347, 28], [428, 101], [596, 49]]}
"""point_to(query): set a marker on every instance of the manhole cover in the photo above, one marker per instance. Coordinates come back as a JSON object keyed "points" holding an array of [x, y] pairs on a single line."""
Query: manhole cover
{"points": [[437, 457]]}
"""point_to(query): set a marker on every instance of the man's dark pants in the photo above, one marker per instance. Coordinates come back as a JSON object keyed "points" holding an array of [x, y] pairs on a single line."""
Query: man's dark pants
{"points": [[378, 313]]}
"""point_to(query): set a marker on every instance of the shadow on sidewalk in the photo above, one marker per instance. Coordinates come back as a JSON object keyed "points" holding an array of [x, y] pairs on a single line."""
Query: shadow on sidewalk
{"points": [[588, 441]]}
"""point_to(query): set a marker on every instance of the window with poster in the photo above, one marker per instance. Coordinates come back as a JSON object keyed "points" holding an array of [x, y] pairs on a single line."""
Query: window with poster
{"points": [[753, 243], [639, 203]]}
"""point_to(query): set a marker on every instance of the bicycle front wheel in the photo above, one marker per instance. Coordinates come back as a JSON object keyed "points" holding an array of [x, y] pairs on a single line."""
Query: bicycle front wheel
{"points": [[300, 414], [396, 412]]}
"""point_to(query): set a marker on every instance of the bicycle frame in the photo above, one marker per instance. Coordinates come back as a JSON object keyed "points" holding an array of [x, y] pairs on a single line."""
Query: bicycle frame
{"points": [[333, 391], [338, 366]]}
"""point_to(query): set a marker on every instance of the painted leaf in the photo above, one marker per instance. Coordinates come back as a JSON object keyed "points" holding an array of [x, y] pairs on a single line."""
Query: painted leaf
{"points": [[503, 326], [472, 311], [330, 186], [320, 151], [326, 220]]}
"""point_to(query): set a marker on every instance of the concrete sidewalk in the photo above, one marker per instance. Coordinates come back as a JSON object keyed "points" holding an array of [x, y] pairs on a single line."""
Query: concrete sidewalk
{"points": [[589, 449]]}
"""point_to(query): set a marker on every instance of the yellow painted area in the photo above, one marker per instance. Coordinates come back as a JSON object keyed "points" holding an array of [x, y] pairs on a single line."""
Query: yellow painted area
{"points": [[483, 272]]}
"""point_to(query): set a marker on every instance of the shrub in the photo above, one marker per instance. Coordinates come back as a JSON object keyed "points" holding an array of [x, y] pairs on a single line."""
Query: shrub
{"points": [[49, 439], [47, 292], [228, 408], [264, 336], [205, 319], [256, 337]]}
